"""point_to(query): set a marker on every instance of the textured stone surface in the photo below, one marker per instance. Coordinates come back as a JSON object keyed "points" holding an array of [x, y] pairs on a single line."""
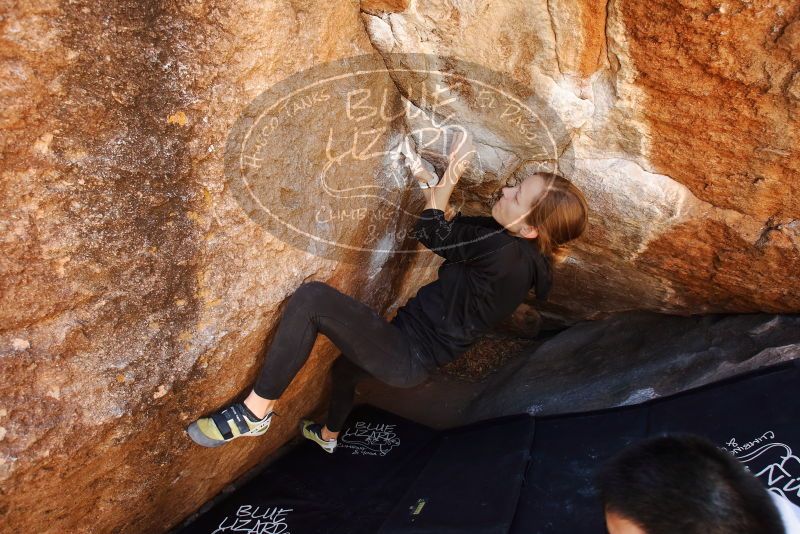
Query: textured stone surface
{"points": [[626, 358], [136, 295], [634, 356], [682, 123]]}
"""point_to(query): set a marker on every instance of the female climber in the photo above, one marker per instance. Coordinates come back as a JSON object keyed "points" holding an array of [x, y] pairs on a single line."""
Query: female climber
{"points": [[491, 264]]}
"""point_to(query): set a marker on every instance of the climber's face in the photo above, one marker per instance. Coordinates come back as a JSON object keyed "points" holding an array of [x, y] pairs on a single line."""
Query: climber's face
{"points": [[514, 203]]}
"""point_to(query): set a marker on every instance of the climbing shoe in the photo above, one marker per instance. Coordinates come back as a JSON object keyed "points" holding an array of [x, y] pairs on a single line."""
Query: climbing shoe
{"points": [[313, 431], [226, 425]]}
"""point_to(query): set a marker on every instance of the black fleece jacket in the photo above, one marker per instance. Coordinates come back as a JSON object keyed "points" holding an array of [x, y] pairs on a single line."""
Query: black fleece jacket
{"points": [[486, 274]]}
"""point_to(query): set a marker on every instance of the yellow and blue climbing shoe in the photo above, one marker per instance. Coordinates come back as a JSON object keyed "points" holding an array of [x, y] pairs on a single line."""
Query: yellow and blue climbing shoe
{"points": [[226, 425], [313, 432]]}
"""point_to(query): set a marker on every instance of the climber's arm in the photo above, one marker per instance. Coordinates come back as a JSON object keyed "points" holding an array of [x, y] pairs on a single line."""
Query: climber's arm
{"points": [[439, 195], [457, 161]]}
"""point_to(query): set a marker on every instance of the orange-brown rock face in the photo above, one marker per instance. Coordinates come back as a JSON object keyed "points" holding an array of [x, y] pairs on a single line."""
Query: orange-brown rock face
{"points": [[682, 123], [139, 289], [721, 83], [136, 294]]}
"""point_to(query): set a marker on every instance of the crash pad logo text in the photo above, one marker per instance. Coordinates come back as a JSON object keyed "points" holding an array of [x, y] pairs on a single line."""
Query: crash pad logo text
{"points": [[256, 520], [372, 439], [774, 463]]}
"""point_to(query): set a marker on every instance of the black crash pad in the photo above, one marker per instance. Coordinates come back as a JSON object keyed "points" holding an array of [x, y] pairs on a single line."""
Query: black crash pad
{"points": [[471, 482], [311, 491], [515, 474], [755, 417]]}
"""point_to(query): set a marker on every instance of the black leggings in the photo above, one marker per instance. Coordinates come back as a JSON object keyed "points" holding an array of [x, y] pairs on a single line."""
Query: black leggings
{"points": [[369, 344]]}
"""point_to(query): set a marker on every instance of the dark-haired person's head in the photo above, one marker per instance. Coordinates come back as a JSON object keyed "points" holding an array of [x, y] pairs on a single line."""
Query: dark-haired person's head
{"points": [[682, 484]]}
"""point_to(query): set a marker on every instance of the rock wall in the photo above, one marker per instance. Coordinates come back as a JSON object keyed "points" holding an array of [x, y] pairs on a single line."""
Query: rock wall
{"points": [[683, 126], [626, 358], [137, 294]]}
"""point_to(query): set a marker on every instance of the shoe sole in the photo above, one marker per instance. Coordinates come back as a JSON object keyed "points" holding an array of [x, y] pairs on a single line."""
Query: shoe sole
{"points": [[201, 439], [310, 436]]}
